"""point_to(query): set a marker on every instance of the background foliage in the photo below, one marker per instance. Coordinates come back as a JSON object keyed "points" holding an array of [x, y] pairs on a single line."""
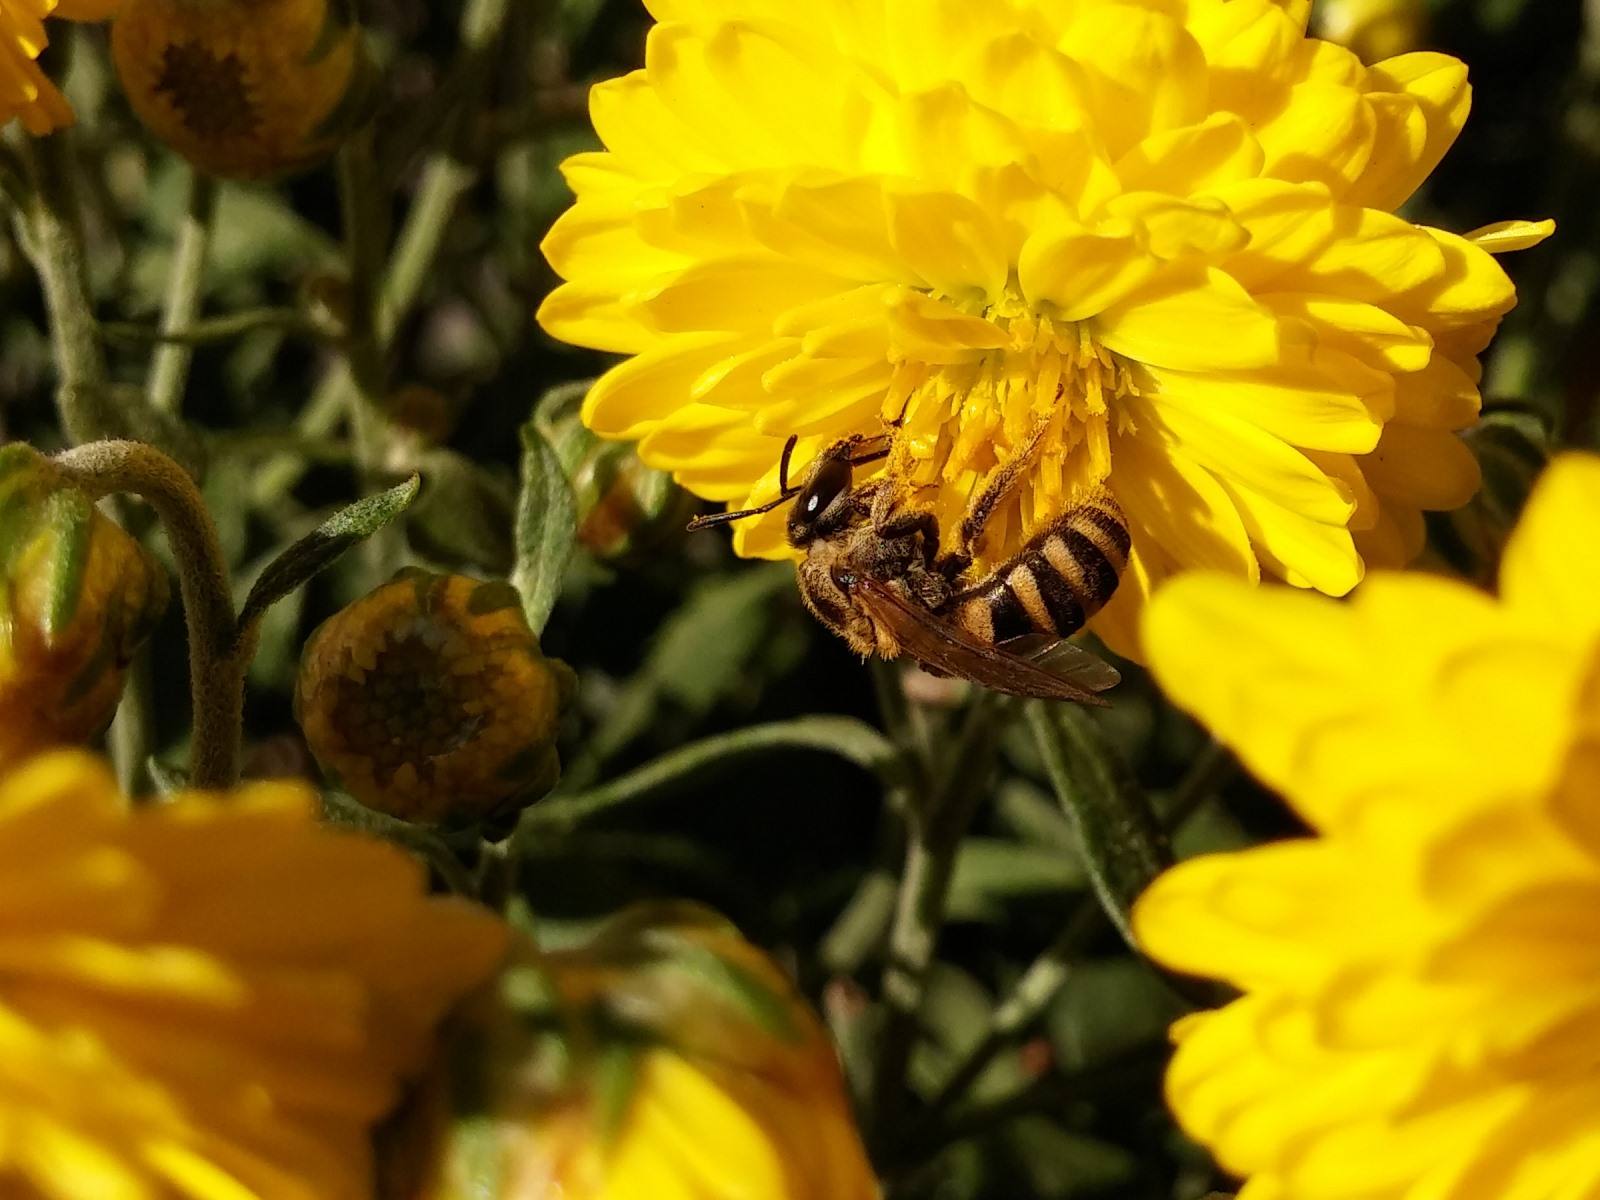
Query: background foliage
{"points": [[724, 747]]}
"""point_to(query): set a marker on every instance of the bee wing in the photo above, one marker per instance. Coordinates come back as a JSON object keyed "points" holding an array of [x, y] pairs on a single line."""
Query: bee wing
{"points": [[1064, 659], [947, 647]]}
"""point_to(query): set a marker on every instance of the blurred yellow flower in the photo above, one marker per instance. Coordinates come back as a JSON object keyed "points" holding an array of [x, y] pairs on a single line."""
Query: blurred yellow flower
{"points": [[24, 90], [664, 1058], [215, 998], [430, 700], [246, 89], [1157, 235], [1421, 1015], [78, 597]]}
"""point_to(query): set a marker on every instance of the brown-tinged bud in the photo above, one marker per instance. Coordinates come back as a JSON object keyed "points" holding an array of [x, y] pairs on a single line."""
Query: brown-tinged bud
{"points": [[430, 700], [624, 507], [663, 1056], [245, 89], [78, 597]]}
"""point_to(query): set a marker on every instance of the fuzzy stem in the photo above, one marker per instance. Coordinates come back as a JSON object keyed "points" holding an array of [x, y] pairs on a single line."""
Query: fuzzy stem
{"points": [[169, 365], [217, 658], [51, 225]]}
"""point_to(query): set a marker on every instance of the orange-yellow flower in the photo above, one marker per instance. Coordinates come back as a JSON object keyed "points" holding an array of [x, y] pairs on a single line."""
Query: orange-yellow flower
{"points": [[212, 999], [1157, 236], [1421, 1008]]}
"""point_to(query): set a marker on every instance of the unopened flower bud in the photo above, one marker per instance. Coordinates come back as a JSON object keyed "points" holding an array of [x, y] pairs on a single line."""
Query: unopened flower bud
{"points": [[430, 700], [665, 1056], [245, 89], [78, 597]]}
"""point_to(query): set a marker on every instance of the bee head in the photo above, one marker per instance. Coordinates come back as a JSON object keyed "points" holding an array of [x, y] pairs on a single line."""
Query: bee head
{"points": [[822, 500]]}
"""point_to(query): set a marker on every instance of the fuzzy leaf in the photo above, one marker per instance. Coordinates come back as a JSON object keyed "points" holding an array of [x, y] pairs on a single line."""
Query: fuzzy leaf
{"points": [[318, 550], [547, 528], [1123, 845]]}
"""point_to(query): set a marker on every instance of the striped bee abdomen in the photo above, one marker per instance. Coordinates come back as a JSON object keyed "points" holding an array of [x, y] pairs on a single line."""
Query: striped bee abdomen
{"points": [[1064, 575]]}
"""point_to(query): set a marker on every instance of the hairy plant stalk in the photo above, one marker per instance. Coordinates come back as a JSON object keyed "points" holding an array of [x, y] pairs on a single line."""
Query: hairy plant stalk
{"points": [[218, 656], [51, 228]]}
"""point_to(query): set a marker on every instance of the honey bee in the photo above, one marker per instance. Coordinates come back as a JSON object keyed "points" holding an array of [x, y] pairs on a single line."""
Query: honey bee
{"points": [[874, 575]]}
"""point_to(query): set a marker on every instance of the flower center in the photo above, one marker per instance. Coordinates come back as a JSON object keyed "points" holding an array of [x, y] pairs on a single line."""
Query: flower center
{"points": [[209, 92], [1049, 393], [422, 699]]}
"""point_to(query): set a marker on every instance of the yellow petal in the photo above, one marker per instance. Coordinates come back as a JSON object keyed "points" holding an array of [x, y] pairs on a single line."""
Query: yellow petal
{"points": [[1179, 504], [1503, 237], [1551, 569], [1082, 273], [1429, 468], [1328, 402], [1438, 83], [1145, 72], [1197, 158], [1190, 319], [1324, 134], [630, 398]]}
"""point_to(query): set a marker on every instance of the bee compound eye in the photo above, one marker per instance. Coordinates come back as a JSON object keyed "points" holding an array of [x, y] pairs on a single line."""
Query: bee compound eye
{"points": [[831, 480]]}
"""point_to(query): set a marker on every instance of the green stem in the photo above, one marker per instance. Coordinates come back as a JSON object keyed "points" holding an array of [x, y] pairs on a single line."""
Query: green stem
{"points": [[217, 329], [217, 657], [53, 232], [169, 366], [935, 832]]}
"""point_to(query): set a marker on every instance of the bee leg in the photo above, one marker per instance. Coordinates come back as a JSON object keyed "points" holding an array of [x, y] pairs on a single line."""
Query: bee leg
{"points": [[1000, 485], [890, 521]]}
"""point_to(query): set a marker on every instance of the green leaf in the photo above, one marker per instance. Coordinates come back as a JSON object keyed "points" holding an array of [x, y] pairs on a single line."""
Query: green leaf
{"points": [[318, 550], [547, 528], [1123, 845]]}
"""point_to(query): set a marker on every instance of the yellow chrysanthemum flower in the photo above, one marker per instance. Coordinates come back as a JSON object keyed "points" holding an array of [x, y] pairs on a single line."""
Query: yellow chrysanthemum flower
{"points": [[1158, 234], [25, 92], [246, 89], [1421, 1015], [664, 1056], [211, 999]]}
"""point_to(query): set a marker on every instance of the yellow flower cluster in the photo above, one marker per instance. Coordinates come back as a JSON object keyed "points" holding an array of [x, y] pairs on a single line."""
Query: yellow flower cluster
{"points": [[1421, 1009], [1152, 242], [212, 999], [678, 1062]]}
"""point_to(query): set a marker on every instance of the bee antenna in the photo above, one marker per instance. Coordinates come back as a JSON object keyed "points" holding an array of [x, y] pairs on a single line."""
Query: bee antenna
{"points": [[783, 463], [711, 520]]}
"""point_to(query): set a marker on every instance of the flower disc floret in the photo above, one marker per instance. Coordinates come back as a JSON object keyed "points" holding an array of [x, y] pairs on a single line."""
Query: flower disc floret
{"points": [[213, 998], [1421, 1008], [429, 699], [1153, 240]]}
